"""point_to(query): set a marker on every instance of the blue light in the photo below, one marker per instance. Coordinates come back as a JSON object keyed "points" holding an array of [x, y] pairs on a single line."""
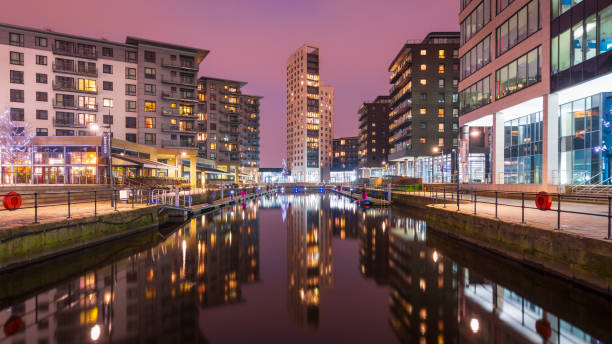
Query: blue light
{"points": [[296, 189]]}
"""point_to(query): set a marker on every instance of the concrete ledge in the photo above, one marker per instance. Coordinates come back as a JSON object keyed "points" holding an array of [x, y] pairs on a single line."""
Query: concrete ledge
{"points": [[582, 260], [32, 243]]}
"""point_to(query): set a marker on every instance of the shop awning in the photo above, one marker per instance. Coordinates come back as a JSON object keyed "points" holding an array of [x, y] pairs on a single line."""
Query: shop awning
{"points": [[122, 160], [213, 171]]}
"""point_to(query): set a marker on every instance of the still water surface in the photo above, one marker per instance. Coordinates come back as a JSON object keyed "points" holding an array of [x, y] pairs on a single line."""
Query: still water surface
{"points": [[296, 269]]}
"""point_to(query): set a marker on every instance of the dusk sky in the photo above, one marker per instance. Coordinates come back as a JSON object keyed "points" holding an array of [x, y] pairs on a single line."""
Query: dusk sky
{"points": [[250, 40]]}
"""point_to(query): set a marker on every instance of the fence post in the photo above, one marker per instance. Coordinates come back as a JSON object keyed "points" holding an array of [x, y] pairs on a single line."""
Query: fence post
{"points": [[475, 199], [522, 207], [457, 198], [36, 208], [114, 195], [95, 202], [559, 212], [496, 203], [444, 189], [609, 215], [133, 196], [68, 204]]}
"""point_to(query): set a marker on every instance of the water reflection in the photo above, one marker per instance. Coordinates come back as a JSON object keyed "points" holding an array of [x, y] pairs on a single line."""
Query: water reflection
{"points": [[431, 289]]}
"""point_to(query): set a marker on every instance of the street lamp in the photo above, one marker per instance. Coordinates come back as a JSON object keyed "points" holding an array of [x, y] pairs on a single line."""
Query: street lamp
{"points": [[435, 150], [97, 128]]}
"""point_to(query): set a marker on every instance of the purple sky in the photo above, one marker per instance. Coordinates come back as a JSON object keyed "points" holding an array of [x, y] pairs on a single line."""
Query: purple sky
{"points": [[250, 41]]}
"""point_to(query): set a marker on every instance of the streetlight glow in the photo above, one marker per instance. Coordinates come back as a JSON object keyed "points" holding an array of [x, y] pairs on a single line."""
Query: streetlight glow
{"points": [[95, 332], [94, 126], [475, 325]]}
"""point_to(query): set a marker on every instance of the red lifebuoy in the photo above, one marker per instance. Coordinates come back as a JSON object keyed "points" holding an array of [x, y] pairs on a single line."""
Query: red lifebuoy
{"points": [[11, 201], [543, 201], [13, 325], [543, 329]]}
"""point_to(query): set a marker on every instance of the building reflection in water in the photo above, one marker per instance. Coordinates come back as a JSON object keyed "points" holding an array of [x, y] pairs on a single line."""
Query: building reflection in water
{"points": [[152, 296], [309, 258]]}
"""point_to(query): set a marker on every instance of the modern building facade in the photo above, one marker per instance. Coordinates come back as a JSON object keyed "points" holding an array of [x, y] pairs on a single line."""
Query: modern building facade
{"points": [[424, 112], [310, 117], [230, 134], [345, 159], [374, 132]]}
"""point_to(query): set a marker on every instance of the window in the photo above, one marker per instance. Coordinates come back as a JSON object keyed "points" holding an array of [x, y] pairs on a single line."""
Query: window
{"points": [[476, 58], [441, 98], [149, 122], [107, 102], [107, 69], [455, 97], [475, 21], [520, 73], [16, 77], [212, 146], [441, 54], [17, 96], [107, 119], [440, 141], [130, 56], [423, 52], [440, 83], [107, 52], [455, 82], [517, 28], [440, 127], [440, 112], [423, 140], [64, 132], [16, 39], [88, 85], [455, 112], [17, 114], [149, 89], [16, 58], [41, 60], [149, 56], [41, 78], [423, 125], [440, 69], [150, 139], [423, 67], [107, 85], [88, 103], [42, 114], [42, 96], [423, 111], [130, 122], [42, 132], [577, 39], [130, 89], [423, 82], [130, 105], [41, 42], [130, 73], [149, 73], [476, 95], [130, 137], [423, 96], [149, 106]]}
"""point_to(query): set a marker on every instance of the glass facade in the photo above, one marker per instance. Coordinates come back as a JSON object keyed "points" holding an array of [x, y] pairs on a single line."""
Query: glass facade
{"points": [[523, 150], [518, 74], [584, 137]]}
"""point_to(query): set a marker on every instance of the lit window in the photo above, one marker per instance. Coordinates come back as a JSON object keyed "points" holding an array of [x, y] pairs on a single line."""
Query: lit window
{"points": [[149, 106], [107, 102], [423, 111], [441, 54], [441, 69], [423, 67], [423, 82], [149, 122], [213, 146], [423, 52], [441, 141], [441, 127], [440, 112], [423, 140], [87, 85]]}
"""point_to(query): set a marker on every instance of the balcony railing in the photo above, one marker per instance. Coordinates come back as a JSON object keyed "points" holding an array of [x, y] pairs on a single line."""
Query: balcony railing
{"points": [[74, 70], [75, 52], [71, 88], [177, 128], [174, 112], [72, 106], [179, 80], [180, 64], [70, 123], [179, 96], [178, 144]]}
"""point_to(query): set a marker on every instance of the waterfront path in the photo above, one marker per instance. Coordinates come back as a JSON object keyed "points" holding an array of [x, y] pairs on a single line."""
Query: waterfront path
{"points": [[592, 224]]}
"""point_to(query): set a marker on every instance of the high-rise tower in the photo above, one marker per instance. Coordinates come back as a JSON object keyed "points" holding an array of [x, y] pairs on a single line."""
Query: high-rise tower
{"points": [[310, 117]]}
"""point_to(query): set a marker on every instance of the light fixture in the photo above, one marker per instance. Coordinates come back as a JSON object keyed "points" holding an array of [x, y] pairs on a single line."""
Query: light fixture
{"points": [[475, 325], [94, 126], [95, 332], [475, 133], [436, 149]]}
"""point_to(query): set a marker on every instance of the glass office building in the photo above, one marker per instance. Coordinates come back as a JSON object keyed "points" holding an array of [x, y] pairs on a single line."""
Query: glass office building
{"points": [[523, 150]]}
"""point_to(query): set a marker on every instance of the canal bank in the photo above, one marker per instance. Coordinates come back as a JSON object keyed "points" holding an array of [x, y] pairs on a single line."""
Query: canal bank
{"points": [[583, 260]]}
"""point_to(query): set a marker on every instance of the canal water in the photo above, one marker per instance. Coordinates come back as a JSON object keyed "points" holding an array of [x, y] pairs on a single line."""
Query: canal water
{"points": [[305, 268]]}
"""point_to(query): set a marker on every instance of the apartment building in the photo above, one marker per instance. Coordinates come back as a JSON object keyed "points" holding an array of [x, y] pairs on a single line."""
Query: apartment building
{"points": [[61, 84], [310, 117], [424, 112], [230, 135], [346, 153], [374, 132]]}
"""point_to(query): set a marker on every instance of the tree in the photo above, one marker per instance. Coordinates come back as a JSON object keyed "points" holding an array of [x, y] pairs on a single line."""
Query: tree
{"points": [[14, 141]]}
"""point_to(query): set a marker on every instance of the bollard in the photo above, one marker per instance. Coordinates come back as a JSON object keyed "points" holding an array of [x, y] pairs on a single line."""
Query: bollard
{"points": [[36, 211]]}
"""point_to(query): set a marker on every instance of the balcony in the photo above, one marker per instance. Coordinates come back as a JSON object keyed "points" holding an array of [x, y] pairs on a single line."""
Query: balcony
{"points": [[167, 127], [191, 82], [179, 144], [72, 106], [62, 123], [179, 97], [178, 64], [175, 112], [93, 72], [74, 52], [71, 88]]}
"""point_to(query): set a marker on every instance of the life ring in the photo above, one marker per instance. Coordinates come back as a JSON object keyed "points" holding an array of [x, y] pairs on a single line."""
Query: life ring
{"points": [[12, 201], [543, 201], [13, 325]]}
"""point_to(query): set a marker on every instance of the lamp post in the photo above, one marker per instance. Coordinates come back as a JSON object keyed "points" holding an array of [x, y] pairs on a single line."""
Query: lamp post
{"points": [[106, 140]]}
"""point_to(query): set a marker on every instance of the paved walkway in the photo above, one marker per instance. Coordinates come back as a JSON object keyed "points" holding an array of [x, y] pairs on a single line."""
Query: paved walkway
{"points": [[593, 225]]}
